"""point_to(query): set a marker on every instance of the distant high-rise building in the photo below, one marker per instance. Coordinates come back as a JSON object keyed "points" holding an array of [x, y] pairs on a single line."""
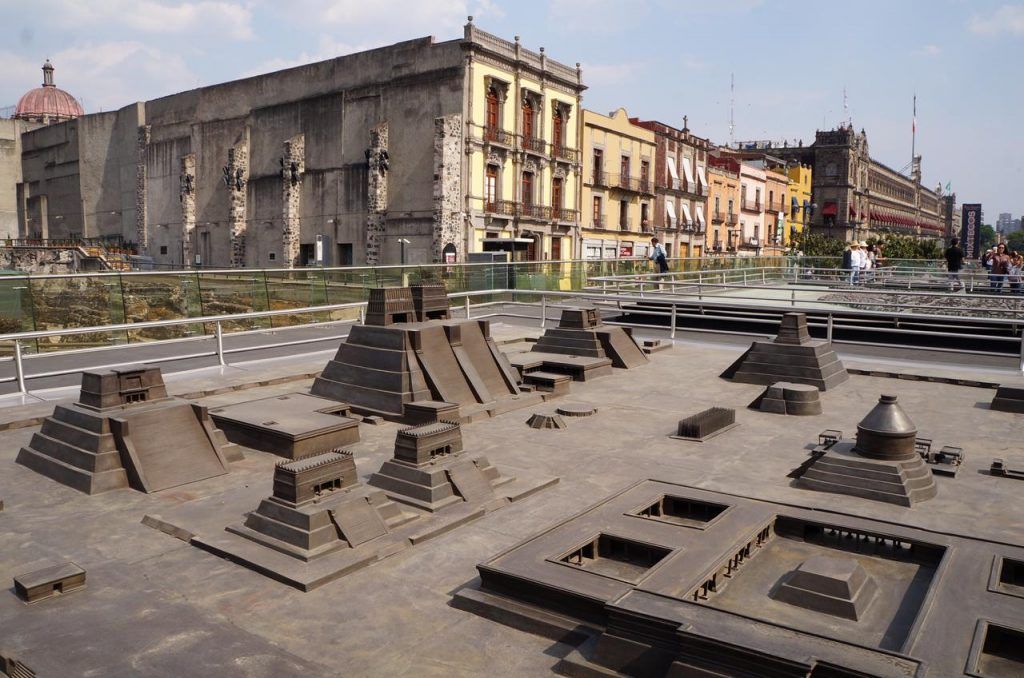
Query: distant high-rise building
{"points": [[1004, 224]]}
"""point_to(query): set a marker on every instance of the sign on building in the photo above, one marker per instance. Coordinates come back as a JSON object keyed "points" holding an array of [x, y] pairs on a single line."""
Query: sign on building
{"points": [[970, 230]]}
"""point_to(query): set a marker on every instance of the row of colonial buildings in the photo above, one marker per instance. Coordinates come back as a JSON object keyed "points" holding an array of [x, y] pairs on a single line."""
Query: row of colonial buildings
{"points": [[420, 152]]}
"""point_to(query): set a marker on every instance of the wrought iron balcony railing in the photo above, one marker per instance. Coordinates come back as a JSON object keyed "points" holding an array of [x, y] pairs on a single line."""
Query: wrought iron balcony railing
{"points": [[537, 212], [498, 136], [505, 208], [565, 214], [534, 145], [565, 153]]}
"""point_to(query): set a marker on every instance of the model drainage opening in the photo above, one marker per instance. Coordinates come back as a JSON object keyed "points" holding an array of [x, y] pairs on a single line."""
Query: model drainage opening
{"points": [[1002, 654], [1011, 573], [616, 557], [681, 511], [329, 486]]}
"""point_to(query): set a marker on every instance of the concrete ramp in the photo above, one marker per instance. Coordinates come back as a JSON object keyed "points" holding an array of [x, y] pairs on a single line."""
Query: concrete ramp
{"points": [[358, 521], [470, 482], [440, 366], [167, 447], [619, 345], [475, 345]]}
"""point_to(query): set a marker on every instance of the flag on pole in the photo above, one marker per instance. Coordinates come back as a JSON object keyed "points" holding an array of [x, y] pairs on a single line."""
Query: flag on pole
{"points": [[948, 189]]}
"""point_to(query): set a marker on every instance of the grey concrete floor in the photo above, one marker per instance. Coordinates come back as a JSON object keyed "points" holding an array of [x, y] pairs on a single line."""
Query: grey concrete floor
{"points": [[155, 606]]}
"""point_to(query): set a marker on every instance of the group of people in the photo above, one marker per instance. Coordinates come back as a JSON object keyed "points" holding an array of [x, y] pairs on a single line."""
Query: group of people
{"points": [[1003, 267], [860, 259]]}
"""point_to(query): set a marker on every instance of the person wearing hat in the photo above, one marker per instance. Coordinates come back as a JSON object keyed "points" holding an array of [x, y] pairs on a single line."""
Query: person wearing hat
{"points": [[857, 260]]}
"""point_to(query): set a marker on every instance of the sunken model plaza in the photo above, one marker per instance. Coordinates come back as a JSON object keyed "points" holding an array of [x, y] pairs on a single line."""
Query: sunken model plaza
{"points": [[494, 496]]}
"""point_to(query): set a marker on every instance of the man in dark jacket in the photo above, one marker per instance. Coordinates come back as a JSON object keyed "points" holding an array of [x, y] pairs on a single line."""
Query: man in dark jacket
{"points": [[954, 262]]}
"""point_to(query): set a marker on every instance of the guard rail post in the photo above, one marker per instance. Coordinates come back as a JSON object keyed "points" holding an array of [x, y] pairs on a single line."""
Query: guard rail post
{"points": [[19, 368], [829, 331], [467, 307], [220, 345], [672, 332], [543, 311], [1021, 363]]}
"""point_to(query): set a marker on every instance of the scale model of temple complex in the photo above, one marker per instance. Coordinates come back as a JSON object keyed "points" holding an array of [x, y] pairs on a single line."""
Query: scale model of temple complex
{"points": [[581, 347], [793, 357], [409, 351], [664, 579], [321, 523], [125, 431], [882, 464]]}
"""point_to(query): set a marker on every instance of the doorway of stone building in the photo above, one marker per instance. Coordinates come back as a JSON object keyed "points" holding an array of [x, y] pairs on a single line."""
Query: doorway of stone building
{"points": [[556, 248], [307, 254], [345, 255]]}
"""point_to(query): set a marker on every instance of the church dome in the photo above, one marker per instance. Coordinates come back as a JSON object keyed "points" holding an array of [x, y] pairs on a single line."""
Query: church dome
{"points": [[48, 103]]}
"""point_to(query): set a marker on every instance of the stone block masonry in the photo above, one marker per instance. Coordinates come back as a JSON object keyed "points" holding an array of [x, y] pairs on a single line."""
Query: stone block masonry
{"points": [[188, 208], [449, 219], [141, 234], [293, 166], [236, 176], [376, 193]]}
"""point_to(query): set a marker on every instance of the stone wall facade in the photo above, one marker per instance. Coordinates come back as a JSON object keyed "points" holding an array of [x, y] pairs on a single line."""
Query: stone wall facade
{"points": [[293, 166], [236, 178], [449, 219], [188, 208], [141, 231], [377, 192]]}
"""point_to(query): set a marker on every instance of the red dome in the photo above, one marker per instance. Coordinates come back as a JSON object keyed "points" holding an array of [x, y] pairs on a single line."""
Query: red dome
{"points": [[48, 103]]}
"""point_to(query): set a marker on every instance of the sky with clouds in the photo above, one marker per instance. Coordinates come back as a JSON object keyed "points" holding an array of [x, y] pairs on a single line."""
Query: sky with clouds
{"points": [[660, 59]]}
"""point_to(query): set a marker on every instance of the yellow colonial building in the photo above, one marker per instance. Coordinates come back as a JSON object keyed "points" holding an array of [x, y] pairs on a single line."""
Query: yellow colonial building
{"points": [[618, 186], [524, 161], [799, 207]]}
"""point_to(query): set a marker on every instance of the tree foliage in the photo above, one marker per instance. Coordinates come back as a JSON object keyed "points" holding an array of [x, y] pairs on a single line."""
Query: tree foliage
{"points": [[1015, 241], [893, 246], [817, 245], [987, 237]]}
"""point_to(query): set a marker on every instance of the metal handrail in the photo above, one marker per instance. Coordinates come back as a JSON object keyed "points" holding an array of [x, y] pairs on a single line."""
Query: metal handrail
{"points": [[608, 299]]}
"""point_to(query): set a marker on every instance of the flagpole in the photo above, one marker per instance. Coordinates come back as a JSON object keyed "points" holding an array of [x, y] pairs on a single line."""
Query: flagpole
{"points": [[913, 138]]}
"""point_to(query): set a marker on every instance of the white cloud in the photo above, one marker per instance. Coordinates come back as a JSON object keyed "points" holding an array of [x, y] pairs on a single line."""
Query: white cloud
{"points": [[1005, 19], [928, 51], [389, 20], [231, 20], [327, 48], [109, 75]]}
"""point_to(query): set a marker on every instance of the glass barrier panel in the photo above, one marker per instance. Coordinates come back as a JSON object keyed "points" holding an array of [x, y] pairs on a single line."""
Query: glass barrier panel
{"points": [[241, 291], [161, 296], [77, 301]]}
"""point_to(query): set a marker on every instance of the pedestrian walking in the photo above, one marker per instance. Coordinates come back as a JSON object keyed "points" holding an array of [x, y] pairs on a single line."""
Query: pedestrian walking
{"points": [[857, 261], [954, 262], [659, 256]]}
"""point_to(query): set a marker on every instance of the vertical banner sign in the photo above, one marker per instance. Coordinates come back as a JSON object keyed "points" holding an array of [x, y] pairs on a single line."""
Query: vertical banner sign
{"points": [[970, 230]]}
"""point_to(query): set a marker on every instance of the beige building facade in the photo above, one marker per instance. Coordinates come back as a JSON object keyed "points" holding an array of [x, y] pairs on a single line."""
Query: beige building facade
{"points": [[618, 186]]}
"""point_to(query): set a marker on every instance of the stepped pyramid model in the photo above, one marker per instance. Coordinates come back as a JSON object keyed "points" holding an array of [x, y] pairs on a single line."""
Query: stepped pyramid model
{"points": [[580, 332], [883, 464], [126, 431], [792, 357], [392, 361]]}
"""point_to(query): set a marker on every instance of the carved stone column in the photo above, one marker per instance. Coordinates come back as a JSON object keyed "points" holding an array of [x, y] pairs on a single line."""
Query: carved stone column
{"points": [[188, 208], [449, 222], [377, 192], [293, 166], [141, 232], [236, 176]]}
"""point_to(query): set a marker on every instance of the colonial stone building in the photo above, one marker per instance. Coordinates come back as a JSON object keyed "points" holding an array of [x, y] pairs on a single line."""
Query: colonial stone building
{"points": [[336, 163], [681, 185], [854, 195]]}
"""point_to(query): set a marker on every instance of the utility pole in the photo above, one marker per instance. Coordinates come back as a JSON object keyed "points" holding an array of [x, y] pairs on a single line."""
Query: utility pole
{"points": [[732, 108]]}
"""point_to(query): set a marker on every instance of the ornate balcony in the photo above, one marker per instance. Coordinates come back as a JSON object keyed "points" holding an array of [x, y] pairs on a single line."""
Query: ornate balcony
{"points": [[534, 145], [751, 205], [496, 135], [565, 214], [601, 179], [504, 208], [565, 153], [628, 183], [535, 212]]}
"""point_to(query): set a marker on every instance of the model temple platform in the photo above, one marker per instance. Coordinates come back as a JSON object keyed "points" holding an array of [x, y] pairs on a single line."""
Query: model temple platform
{"points": [[388, 363], [581, 333], [1009, 398], [785, 397], [125, 431], [883, 464], [430, 472], [666, 579], [792, 357], [293, 425]]}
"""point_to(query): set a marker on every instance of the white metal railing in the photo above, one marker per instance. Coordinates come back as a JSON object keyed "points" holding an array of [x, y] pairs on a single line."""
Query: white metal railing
{"points": [[608, 300]]}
